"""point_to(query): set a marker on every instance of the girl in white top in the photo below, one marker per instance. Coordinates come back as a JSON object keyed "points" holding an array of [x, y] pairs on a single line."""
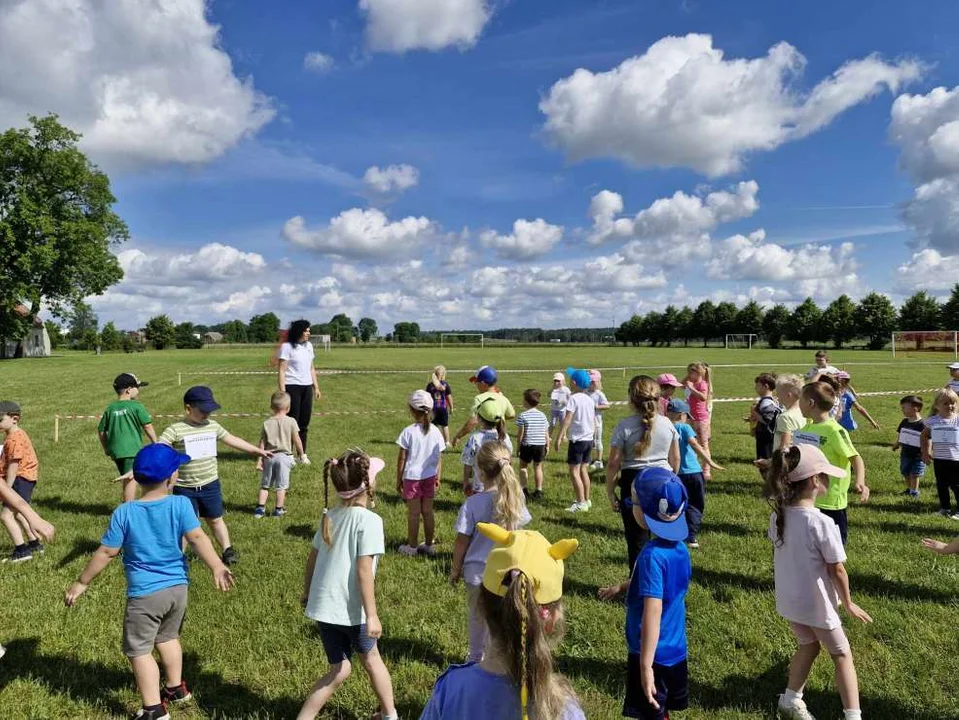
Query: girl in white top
{"points": [[580, 424], [296, 376], [558, 397], [601, 402], [940, 448], [500, 502], [811, 580], [418, 468], [338, 588]]}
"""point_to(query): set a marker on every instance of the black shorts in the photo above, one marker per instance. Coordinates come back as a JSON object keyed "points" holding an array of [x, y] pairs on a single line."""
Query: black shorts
{"points": [[842, 522], [532, 453], [441, 417], [579, 452], [339, 641], [23, 488], [672, 690]]}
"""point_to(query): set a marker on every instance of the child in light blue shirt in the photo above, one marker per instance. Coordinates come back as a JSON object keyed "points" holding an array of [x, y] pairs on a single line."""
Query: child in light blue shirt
{"points": [[690, 469]]}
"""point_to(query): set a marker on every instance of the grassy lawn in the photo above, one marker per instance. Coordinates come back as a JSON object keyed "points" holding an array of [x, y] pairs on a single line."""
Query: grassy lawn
{"points": [[252, 654]]}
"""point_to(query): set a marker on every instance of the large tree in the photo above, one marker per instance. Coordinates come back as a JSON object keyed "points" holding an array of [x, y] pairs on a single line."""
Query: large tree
{"points": [[406, 332], [57, 225], [264, 328], [839, 321], [876, 319], [920, 312], [341, 328], [806, 325], [367, 327], [950, 311], [684, 325], [776, 325], [234, 331], [82, 321], [725, 319], [110, 337], [749, 319], [704, 321], [160, 331], [187, 337]]}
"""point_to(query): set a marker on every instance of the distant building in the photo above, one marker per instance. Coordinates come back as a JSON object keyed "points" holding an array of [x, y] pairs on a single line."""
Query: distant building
{"points": [[36, 343], [212, 338]]}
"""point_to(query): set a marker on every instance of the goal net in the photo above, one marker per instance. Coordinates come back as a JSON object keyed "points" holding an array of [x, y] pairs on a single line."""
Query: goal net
{"points": [[915, 341], [461, 339], [742, 340], [320, 341]]}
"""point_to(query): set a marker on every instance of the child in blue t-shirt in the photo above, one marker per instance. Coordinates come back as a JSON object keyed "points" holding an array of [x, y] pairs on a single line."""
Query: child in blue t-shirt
{"points": [[150, 533], [657, 679], [690, 469]]}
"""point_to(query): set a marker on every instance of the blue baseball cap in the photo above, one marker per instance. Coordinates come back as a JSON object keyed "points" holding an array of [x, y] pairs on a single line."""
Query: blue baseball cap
{"points": [[678, 406], [662, 499], [485, 374], [201, 397], [580, 378], [156, 463]]}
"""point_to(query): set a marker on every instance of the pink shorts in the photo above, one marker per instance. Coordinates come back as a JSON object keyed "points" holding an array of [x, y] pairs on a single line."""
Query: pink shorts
{"points": [[703, 430], [833, 640], [424, 489]]}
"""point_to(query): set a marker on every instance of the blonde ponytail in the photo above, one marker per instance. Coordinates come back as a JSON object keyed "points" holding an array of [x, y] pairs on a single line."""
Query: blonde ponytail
{"points": [[493, 461]]}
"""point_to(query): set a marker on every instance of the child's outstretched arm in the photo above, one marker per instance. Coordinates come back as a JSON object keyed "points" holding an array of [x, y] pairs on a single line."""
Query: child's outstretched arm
{"points": [[308, 576], [859, 474], [865, 414], [840, 579], [703, 455], [16, 503], [364, 576], [240, 444], [151, 433], [97, 564], [459, 553], [222, 577], [942, 548], [649, 639]]}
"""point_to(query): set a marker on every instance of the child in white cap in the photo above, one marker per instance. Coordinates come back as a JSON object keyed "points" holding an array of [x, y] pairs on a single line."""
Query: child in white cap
{"points": [[953, 383], [558, 397], [418, 468]]}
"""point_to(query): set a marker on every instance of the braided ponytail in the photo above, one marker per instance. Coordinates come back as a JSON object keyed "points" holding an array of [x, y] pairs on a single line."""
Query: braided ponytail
{"points": [[325, 522], [778, 491], [644, 397]]}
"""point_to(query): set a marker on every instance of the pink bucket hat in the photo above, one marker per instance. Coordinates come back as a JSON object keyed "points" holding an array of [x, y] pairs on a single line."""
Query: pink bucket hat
{"points": [[668, 379]]}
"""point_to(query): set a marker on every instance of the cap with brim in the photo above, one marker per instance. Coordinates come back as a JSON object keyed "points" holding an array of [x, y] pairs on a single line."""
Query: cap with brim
{"points": [[595, 375], [490, 410], [201, 398], [812, 462], [420, 400], [558, 376], [668, 379], [580, 378], [156, 463], [843, 375], [127, 380], [953, 366], [662, 500], [678, 406], [485, 374], [9, 407], [376, 464]]}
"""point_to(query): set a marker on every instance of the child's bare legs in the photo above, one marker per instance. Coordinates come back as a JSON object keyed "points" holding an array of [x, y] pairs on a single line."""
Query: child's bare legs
{"points": [[263, 497], [538, 473], [171, 655], [379, 679], [913, 482], [220, 532], [523, 474], [413, 508], [13, 527], [847, 682], [446, 433], [323, 690], [429, 521], [587, 483], [281, 498], [147, 674], [801, 665], [129, 490], [578, 489]]}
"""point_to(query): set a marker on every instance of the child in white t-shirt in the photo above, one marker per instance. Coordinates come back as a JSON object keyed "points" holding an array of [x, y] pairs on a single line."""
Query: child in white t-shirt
{"points": [[558, 397], [491, 428], [601, 402], [811, 580], [940, 448], [339, 593], [418, 469], [500, 502], [953, 383], [580, 425]]}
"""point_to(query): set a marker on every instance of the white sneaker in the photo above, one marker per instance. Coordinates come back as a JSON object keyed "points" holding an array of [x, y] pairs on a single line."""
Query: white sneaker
{"points": [[3, 651], [954, 516], [575, 507], [304, 460], [794, 710]]}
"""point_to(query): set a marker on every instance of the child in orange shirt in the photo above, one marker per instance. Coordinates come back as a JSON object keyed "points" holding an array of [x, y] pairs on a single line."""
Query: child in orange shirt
{"points": [[20, 469]]}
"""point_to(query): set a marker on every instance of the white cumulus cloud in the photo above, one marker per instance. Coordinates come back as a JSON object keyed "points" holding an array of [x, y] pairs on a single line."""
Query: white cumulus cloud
{"points": [[211, 262], [318, 62], [359, 233], [391, 180], [928, 269], [683, 104], [398, 26], [743, 257], [146, 82], [529, 239], [242, 301]]}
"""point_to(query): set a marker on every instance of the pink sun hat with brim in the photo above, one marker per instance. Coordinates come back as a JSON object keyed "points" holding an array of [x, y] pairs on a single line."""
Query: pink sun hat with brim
{"points": [[668, 379], [813, 462], [595, 375]]}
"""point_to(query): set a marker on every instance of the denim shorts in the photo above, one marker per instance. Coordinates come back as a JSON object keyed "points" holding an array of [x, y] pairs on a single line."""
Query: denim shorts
{"points": [[339, 641], [23, 488], [207, 500], [911, 466]]}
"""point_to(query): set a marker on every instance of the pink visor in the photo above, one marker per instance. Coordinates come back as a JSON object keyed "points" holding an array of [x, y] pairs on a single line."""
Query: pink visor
{"points": [[813, 462], [668, 379]]}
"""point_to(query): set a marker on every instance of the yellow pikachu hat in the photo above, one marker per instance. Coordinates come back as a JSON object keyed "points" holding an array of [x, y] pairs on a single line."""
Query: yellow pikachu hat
{"points": [[531, 554]]}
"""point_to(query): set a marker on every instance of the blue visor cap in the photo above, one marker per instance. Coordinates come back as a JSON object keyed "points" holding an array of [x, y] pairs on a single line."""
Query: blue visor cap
{"points": [[662, 499]]}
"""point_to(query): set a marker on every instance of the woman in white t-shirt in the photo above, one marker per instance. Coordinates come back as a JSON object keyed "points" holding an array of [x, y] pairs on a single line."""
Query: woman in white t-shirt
{"points": [[297, 377]]}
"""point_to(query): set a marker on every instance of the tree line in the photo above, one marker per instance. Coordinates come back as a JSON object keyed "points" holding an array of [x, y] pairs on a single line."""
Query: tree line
{"points": [[874, 319]]}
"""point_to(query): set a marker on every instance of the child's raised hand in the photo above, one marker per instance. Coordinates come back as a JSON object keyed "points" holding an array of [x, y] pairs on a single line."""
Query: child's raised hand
{"points": [[223, 578], [858, 613], [934, 545], [73, 593]]}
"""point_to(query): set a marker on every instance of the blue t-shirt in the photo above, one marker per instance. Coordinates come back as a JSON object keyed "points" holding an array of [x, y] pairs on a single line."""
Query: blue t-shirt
{"points": [[663, 570], [688, 460], [468, 691], [150, 534], [846, 419]]}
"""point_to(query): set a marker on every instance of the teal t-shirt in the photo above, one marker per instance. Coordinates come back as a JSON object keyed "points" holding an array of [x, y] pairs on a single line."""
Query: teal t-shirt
{"points": [[123, 422]]}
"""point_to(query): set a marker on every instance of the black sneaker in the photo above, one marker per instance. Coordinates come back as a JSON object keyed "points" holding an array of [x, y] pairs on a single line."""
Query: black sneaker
{"points": [[143, 714], [230, 556], [525, 494], [36, 547], [177, 696], [19, 555], [537, 495]]}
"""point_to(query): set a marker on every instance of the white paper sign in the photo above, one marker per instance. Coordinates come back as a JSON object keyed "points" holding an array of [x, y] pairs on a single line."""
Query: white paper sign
{"points": [[945, 435], [200, 446], [909, 437], [804, 438]]}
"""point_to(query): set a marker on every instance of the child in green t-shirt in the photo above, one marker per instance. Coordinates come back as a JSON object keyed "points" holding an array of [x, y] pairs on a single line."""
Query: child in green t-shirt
{"points": [[122, 427], [817, 400]]}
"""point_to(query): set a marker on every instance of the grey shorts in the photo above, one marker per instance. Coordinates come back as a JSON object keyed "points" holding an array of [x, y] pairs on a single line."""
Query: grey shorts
{"points": [[153, 619], [276, 472]]}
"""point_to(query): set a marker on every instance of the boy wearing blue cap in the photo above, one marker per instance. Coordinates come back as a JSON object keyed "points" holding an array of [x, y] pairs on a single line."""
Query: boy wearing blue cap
{"points": [[150, 532], [579, 424], [657, 678], [199, 481], [485, 380]]}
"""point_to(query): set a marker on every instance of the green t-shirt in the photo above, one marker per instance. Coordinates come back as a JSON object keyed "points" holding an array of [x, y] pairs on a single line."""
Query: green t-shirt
{"points": [[123, 422], [505, 407], [199, 442], [835, 444]]}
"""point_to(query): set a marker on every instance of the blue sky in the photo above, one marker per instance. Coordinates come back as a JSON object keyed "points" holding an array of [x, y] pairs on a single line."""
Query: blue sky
{"points": [[811, 150]]}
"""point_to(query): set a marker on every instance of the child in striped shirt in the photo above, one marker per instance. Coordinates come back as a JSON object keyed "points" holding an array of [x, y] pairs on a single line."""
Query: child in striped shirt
{"points": [[533, 441]]}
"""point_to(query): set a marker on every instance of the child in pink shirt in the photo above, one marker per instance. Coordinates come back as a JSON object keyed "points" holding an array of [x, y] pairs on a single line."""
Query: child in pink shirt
{"points": [[667, 386], [699, 395]]}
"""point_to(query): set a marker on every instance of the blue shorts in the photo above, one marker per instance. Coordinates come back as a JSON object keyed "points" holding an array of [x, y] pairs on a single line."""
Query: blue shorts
{"points": [[207, 500], [911, 466], [339, 641], [579, 452], [23, 488]]}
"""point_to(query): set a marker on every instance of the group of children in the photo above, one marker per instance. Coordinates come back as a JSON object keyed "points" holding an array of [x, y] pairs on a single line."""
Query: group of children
{"points": [[655, 479]]}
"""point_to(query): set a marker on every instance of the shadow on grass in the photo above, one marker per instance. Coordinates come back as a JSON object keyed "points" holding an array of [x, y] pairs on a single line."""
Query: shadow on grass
{"points": [[712, 580], [220, 698], [609, 675], [717, 486], [881, 586], [439, 504], [398, 649], [919, 531], [81, 548], [724, 528], [578, 522], [75, 508]]}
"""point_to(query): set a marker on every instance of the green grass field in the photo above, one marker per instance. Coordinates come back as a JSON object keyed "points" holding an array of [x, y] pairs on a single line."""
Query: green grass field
{"points": [[252, 654]]}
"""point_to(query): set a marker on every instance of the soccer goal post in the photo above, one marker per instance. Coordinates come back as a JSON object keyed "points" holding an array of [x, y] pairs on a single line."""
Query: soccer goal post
{"points": [[741, 340], [461, 339], [321, 341], [915, 341]]}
